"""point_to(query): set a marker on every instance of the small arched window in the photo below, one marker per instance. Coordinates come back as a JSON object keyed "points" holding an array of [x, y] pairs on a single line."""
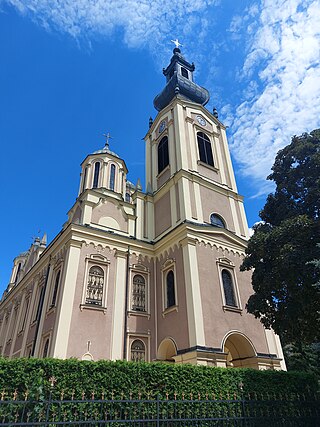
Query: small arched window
{"points": [[95, 285], [138, 293], [228, 288], [96, 175], [45, 348], [112, 177], [205, 149], [171, 296], [128, 197], [84, 179], [55, 290], [138, 351], [217, 221], [163, 154]]}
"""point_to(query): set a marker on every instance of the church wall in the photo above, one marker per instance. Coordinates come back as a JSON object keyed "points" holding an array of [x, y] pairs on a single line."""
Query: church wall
{"points": [[173, 322], [162, 214], [92, 324], [163, 177], [109, 209], [214, 202], [218, 321]]}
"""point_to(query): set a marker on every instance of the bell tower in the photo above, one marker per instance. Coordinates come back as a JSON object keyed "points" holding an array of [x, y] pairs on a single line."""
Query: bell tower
{"points": [[188, 164]]}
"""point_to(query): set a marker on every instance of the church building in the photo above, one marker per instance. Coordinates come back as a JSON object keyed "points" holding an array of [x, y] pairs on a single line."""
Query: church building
{"points": [[146, 275]]}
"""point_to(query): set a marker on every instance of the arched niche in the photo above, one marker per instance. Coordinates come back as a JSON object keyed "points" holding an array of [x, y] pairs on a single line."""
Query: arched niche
{"points": [[167, 350], [240, 351]]}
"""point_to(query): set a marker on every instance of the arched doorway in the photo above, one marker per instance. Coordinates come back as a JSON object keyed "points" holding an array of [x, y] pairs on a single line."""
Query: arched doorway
{"points": [[167, 350], [240, 351]]}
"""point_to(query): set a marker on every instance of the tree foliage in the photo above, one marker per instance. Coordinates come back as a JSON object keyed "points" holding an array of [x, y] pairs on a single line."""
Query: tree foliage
{"points": [[283, 249]]}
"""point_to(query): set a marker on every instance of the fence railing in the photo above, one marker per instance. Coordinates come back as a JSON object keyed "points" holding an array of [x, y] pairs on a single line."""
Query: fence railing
{"points": [[210, 411]]}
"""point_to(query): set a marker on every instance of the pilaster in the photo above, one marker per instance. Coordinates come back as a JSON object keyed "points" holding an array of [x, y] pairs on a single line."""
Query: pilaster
{"points": [[193, 294], [63, 321], [118, 320]]}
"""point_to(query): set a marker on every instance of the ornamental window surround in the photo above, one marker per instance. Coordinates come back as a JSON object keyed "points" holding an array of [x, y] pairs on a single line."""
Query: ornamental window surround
{"points": [[138, 297], [139, 294], [169, 287], [163, 154], [95, 286], [94, 295], [228, 285], [138, 351], [205, 149]]}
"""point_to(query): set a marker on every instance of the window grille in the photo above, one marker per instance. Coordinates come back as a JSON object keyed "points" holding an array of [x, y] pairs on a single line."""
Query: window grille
{"points": [[205, 149], [228, 289], [95, 285], [138, 351], [138, 293]]}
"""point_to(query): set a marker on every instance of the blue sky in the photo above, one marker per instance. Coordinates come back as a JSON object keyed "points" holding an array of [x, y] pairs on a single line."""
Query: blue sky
{"points": [[74, 69]]}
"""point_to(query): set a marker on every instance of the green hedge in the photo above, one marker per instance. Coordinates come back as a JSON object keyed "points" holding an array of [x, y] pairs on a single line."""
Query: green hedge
{"points": [[119, 379]]}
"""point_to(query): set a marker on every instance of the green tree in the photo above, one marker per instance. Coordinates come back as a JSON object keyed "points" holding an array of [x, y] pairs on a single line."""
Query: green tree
{"points": [[284, 246]]}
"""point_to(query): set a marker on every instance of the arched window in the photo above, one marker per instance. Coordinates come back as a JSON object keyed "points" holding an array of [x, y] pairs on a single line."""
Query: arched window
{"points": [[217, 221], [138, 293], [138, 351], [171, 297], [84, 179], [95, 285], [128, 197], [228, 288], [205, 149], [55, 290], [112, 177], [163, 154], [96, 175], [46, 348]]}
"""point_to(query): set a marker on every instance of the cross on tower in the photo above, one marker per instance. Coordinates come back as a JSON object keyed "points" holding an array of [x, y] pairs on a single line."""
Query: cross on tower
{"points": [[107, 136], [176, 43]]}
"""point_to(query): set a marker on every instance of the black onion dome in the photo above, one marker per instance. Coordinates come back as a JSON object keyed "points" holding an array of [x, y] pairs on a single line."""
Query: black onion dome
{"points": [[179, 74]]}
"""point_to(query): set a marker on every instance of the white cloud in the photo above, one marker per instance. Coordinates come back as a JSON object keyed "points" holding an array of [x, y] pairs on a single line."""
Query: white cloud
{"points": [[144, 22], [283, 56]]}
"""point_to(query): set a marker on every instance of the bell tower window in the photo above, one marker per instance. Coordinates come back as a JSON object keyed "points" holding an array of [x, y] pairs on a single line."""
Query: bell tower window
{"points": [[205, 149], [96, 175], [163, 154], [184, 73], [112, 177]]}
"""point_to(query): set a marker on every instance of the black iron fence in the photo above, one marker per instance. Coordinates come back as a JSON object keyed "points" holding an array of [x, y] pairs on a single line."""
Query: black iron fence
{"points": [[187, 411]]}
